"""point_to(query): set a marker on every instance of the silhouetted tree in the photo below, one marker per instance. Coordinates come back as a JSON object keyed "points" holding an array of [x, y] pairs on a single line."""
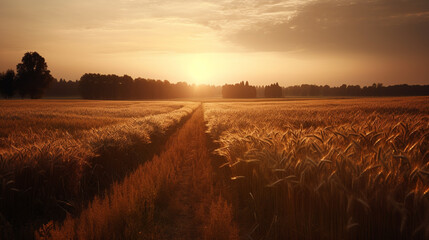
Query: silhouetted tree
{"points": [[239, 90], [33, 76], [63, 88], [260, 91], [273, 91], [7, 84]]}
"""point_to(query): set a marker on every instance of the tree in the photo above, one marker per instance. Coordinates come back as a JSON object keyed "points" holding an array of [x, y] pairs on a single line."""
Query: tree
{"points": [[239, 90], [273, 91], [33, 76], [7, 84]]}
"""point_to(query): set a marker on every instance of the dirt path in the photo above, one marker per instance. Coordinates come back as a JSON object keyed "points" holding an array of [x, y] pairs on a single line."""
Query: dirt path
{"points": [[193, 207], [173, 196], [187, 196]]}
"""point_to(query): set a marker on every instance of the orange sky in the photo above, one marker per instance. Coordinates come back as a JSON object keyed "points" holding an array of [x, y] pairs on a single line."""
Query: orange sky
{"points": [[224, 41]]}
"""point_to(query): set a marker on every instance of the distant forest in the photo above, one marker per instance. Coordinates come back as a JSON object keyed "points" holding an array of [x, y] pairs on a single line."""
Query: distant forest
{"points": [[33, 79], [99, 86], [63, 88], [239, 90], [242, 90], [356, 90]]}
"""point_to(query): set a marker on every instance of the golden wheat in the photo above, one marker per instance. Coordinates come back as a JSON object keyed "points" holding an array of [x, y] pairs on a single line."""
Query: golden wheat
{"points": [[48, 171], [169, 197], [327, 169]]}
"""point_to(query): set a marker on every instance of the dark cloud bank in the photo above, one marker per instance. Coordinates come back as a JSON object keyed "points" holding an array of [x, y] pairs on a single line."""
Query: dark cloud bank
{"points": [[378, 27]]}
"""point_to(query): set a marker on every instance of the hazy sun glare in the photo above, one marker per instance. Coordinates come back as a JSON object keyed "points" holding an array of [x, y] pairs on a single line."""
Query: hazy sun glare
{"points": [[224, 41], [200, 70]]}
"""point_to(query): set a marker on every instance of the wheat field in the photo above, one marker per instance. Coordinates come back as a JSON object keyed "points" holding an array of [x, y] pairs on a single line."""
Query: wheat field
{"points": [[56, 155], [216, 170], [173, 196], [327, 169]]}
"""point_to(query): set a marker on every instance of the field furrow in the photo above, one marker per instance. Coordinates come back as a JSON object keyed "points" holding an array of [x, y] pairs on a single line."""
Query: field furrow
{"points": [[170, 197]]}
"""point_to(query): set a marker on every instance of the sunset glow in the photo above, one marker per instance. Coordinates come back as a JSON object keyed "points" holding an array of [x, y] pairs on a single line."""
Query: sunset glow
{"points": [[214, 119], [216, 42]]}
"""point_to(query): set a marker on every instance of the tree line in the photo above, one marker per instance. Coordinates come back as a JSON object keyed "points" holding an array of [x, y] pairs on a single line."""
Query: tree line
{"points": [[273, 91], [63, 88], [356, 90], [242, 90], [99, 86], [239, 90], [33, 79]]}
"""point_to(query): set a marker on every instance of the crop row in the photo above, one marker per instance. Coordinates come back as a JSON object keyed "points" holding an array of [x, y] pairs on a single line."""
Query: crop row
{"points": [[56, 175]]}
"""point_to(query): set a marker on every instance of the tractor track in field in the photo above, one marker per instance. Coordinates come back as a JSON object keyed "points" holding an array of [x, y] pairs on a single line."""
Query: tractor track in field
{"points": [[172, 196], [180, 214], [195, 190]]}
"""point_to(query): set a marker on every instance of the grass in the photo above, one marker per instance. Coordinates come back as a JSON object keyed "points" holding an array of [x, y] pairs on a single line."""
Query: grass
{"points": [[49, 172], [328, 169]]}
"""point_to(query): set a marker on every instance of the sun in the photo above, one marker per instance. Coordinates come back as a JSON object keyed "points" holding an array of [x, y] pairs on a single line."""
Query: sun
{"points": [[200, 70]]}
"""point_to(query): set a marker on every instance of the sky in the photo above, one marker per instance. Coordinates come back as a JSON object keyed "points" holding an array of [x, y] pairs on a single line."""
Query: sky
{"points": [[291, 42]]}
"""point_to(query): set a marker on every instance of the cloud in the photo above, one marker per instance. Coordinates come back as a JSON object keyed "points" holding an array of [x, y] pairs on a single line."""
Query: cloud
{"points": [[189, 23], [363, 26]]}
